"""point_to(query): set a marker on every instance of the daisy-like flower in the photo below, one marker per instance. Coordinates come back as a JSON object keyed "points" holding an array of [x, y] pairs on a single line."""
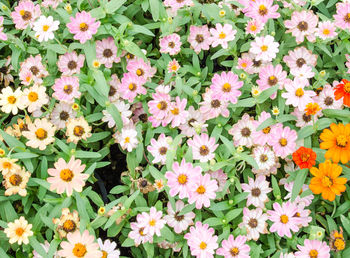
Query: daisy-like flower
{"points": [[265, 48], [257, 190], [312, 109], [114, 83], [80, 245], [263, 136], [159, 148], [16, 182], [266, 160], [137, 234], [66, 177], [242, 131], [61, 113], [178, 222], [194, 116], [32, 69], [342, 91], [296, 95], [226, 87], [304, 157], [313, 248], [19, 231], [302, 118], [182, 178], [3, 36], [77, 129], [159, 185], [254, 27], [254, 221], [69, 222], [44, 28], [8, 165], [175, 4], [326, 98], [236, 248], [22, 125], [52, 3], [212, 107], [132, 85], [342, 17], [34, 97], [26, 12], [270, 76], [124, 110], [257, 64], [66, 89], [203, 147], [302, 25], [283, 219], [221, 35], [305, 201], [159, 107], [204, 189], [244, 63], [83, 26], [283, 141], [173, 66], [70, 63], [10, 100], [127, 138], [303, 74], [298, 57], [220, 177], [199, 38], [262, 10], [337, 241], [177, 115], [108, 248], [152, 222], [336, 141], [326, 30], [106, 52], [201, 240], [326, 180], [170, 44], [142, 69], [40, 134]]}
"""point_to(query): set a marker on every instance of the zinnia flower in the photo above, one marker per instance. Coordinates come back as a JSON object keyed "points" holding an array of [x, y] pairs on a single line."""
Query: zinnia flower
{"points": [[16, 182], [170, 44], [304, 157], [66, 88], [106, 52], [342, 17], [3, 36], [203, 147], [326, 180], [283, 141], [257, 191], [204, 189], [199, 38], [44, 28], [70, 63], [261, 10], [254, 221], [69, 222], [40, 134], [226, 87], [265, 48], [178, 222], [83, 26], [19, 231], [313, 248], [234, 247], [342, 90], [152, 222], [25, 14], [221, 35], [10, 100], [77, 129], [108, 248]]}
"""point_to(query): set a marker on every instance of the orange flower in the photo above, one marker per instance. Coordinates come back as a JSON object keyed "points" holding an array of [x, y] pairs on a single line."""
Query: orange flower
{"points": [[337, 142], [343, 90], [326, 180], [304, 157], [312, 109]]}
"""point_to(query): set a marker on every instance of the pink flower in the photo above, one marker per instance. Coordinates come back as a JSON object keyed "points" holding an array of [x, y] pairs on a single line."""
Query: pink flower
{"points": [[283, 141], [236, 248], [212, 107], [179, 222], [302, 24], [266, 160], [177, 115], [302, 118], [303, 74], [32, 67], [106, 52], [199, 38], [203, 191], [203, 147], [83, 26], [263, 136], [152, 222], [226, 87], [194, 116], [131, 86], [261, 10], [66, 177], [257, 64], [202, 241], [254, 221], [326, 98], [3, 36], [254, 27], [25, 14], [183, 178], [242, 131], [70, 63], [220, 177], [326, 30], [244, 63], [257, 190], [342, 17], [270, 76], [221, 35], [296, 95], [306, 200], [52, 3], [142, 69], [137, 234], [170, 44], [159, 148], [315, 248], [175, 4], [66, 89], [298, 57], [265, 48], [173, 66]]}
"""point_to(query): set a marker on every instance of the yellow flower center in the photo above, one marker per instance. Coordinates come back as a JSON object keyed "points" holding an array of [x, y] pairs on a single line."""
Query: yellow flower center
{"points": [[202, 245], [132, 86], [96, 64], [152, 222], [6, 165], [299, 92], [283, 142], [342, 141], [182, 179], [141, 232], [226, 87], [11, 99], [175, 111], [222, 35], [69, 225], [313, 253], [68, 89], [339, 244], [200, 189], [234, 251], [78, 131], [305, 157], [139, 72], [174, 67], [264, 48], [33, 96], [262, 10], [326, 32], [347, 87], [22, 12], [284, 219], [266, 130], [28, 79], [46, 27], [15, 180], [327, 182], [41, 134], [127, 140], [83, 26], [19, 231], [79, 250], [104, 254], [253, 27], [66, 175]]}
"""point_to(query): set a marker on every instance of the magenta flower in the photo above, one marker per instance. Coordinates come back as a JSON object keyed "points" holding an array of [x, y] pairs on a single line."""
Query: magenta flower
{"points": [[66, 89], [263, 136], [226, 87], [262, 10], [203, 147], [152, 222], [203, 191], [131, 85], [236, 248], [83, 26], [283, 141], [199, 38]]}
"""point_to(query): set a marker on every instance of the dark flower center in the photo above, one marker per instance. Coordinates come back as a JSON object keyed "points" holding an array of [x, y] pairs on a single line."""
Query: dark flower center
{"points": [[253, 223], [162, 150], [303, 26], [245, 132], [178, 217], [34, 70], [72, 65], [64, 116], [203, 150], [107, 53], [215, 103], [272, 80], [199, 38], [328, 101], [26, 15], [300, 62], [306, 118], [256, 192]]}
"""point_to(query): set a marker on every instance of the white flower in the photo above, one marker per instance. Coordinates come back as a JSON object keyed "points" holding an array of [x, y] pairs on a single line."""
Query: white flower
{"points": [[124, 110], [19, 231], [257, 190], [40, 134], [127, 139], [34, 97], [265, 48], [108, 249], [44, 28], [10, 100]]}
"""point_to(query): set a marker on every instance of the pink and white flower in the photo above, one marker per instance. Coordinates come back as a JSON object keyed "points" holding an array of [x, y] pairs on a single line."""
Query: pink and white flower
{"points": [[152, 222], [221, 35], [266, 160], [212, 107], [66, 89], [242, 131], [254, 27], [204, 189], [265, 48], [283, 141], [298, 57], [342, 17], [170, 44], [127, 138], [257, 190], [303, 74], [70, 63], [263, 136], [131, 86], [83, 26], [326, 98], [179, 222], [177, 115], [270, 76], [236, 248], [313, 248], [261, 10], [142, 69], [3, 36], [199, 38], [254, 221], [26, 12], [106, 52], [194, 116], [326, 30], [159, 148], [226, 87], [137, 234], [220, 177], [203, 147], [306, 200]]}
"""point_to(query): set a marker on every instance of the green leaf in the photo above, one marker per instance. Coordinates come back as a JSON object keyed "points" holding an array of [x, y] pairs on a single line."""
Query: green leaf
{"points": [[24, 155], [37, 246], [101, 84], [119, 189], [134, 49], [98, 13], [87, 154], [11, 141], [275, 187], [155, 173], [228, 144], [128, 243], [266, 94], [213, 221], [114, 5], [298, 183], [268, 122], [249, 102], [232, 214], [112, 109], [98, 137], [249, 159], [342, 209], [305, 132], [188, 208], [154, 4], [346, 223], [336, 113]]}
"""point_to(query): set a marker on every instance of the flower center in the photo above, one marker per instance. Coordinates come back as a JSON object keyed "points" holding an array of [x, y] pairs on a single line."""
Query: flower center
{"points": [[79, 250], [127, 140], [6, 165], [199, 38], [68, 89], [327, 182], [203, 150], [347, 18], [107, 53], [72, 65], [140, 72], [152, 222], [175, 111], [234, 251], [245, 132], [78, 131], [299, 92], [104, 254], [264, 48], [69, 226], [25, 15], [162, 150], [174, 67], [313, 253], [15, 180], [283, 142], [226, 87], [222, 35], [200, 189], [83, 26], [284, 219], [347, 87], [253, 27], [33, 96], [46, 27], [303, 26], [306, 118], [300, 62], [339, 244], [263, 158], [342, 141], [35, 70], [326, 32], [328, 101], [202, 245], [171, 44], [253, 223], [182, 179], [262, 10], [178, 217], [162, 105], [41, 134], [305, 157], [266, 130], [132, 86], [66, 175], [272, 80], [215, 103], [19, 231], [64, 116], [11, 99], [256, 192], [141, 232]]}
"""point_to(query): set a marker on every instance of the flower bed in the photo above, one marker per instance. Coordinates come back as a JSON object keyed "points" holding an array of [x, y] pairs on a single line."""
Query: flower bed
{"points": [[174, 128]]}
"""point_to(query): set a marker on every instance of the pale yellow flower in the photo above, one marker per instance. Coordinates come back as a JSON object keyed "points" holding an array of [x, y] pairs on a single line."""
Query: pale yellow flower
{"points": [[19, 231]]}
